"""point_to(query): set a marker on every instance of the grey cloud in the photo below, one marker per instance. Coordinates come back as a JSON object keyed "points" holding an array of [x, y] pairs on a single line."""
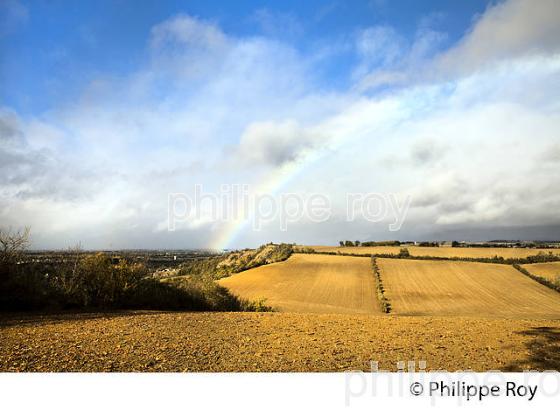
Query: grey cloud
{"points": [[551, 155], [423, 153], [427, 152], [454, 200], [27, 172], [507, 30], [9, 126], [275, 143]]}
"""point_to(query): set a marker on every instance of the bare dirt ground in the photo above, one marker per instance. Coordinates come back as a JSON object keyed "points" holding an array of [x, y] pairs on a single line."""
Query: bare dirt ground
{"points": [[444, 252], [178, 342], [550, 271], [416, 287], [310, 284]]}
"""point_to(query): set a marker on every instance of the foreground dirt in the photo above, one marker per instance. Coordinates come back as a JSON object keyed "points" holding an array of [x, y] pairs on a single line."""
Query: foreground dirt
{"points": [[272, 342], [310, 284]]}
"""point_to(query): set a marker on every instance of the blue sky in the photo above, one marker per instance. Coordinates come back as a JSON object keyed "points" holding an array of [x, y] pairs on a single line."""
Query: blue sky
{"points": [[59, 45], [107, 107]]}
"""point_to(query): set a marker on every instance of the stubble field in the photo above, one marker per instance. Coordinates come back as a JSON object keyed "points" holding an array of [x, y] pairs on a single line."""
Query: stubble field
{"points": [[418, 287], [442, 252], [310, 284], [549, 271]]}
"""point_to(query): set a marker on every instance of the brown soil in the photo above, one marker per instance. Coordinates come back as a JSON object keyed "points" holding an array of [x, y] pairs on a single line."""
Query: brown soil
{"points": [[272, 342]]}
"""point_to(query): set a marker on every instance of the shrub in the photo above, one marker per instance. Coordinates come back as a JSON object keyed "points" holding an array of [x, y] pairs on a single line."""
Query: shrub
{"points": [[239, 261], [404, 253], [98, 282], [429, 244], [95, 281], [381, 243]]}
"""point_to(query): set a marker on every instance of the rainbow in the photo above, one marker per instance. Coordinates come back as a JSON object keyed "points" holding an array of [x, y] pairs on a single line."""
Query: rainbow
{"points": [[271, 185]]}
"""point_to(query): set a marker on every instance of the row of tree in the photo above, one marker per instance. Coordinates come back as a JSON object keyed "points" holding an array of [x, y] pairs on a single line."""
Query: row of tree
{"points": [[369, 243]]}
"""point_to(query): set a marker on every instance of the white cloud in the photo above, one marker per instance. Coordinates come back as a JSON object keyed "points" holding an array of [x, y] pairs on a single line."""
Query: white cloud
{"points": [[187, 31], [275, 24], [475, 146]]}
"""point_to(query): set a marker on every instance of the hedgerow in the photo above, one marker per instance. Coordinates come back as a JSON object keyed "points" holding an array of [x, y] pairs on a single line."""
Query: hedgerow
{"points": [[380, 291]]}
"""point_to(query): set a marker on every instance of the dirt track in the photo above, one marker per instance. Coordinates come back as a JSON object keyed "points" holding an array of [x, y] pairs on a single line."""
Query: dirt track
{"points": [[311, 284], [416, 287], [272, 342]]}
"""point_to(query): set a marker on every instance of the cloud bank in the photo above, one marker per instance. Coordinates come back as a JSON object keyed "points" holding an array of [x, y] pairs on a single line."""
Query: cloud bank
{"points": [[469, 130]]}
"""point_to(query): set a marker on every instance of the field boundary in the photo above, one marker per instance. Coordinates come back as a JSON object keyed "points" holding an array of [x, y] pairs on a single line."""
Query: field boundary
{"points": [[380, 291], [540, 279], [539, 258]]}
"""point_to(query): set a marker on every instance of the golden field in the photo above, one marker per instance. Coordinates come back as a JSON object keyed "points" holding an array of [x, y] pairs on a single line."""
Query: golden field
{"points": [[444, 252], [310, 284], [452, 315], [419, 287], [549, 271]]}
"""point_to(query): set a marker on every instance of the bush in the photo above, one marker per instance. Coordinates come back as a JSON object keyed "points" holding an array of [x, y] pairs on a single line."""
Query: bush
{"points": [[429, 244], [381, 243], [99, 282], [239, 261], [404, 253], [95, 281]]}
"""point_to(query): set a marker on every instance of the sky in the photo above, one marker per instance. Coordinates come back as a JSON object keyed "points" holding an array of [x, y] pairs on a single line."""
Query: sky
{"points": [[113, 111]]}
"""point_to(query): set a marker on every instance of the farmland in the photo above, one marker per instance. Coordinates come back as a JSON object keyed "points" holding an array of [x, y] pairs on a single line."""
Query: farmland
{"points": [[417, 287], [549, 271], [310, 284], [442, 252], [453, 315]]}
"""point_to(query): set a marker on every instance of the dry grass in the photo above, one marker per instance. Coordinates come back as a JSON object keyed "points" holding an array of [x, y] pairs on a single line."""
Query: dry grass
{"points": [[443, 252], [416, 287], [310, 284], [549, 271]]}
